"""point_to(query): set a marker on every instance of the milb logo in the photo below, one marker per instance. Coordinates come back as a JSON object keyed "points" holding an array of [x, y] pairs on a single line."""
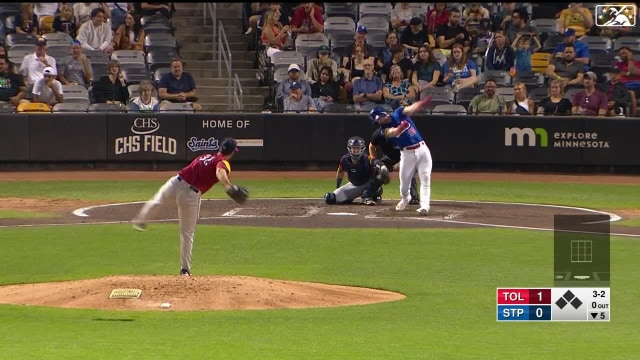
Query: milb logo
{"points": [[528, 134]]}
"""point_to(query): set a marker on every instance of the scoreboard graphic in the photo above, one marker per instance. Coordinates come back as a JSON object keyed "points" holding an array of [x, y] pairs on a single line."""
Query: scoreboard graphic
{"points": [[553, 304]]}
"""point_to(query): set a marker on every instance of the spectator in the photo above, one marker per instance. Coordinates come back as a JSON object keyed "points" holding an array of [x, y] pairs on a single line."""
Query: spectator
{"points": [[555, 103], [577, 18], [33, 65], [521, 104], [452, 33], [414, 36], [46, 9], [65, 21], [504, 15], [320, 61], [112, 88], [458, 71], [165, 9], [354, 68], [76, 68], [489, 102], [178, 86], [48, 90], [257, 11], [499, 56], [83, 11], [278, 7], [384, 55], [522, 50], [591, 101], [145, 102], [307, 19], [96, 33], [581, 48], [130, 35], [426, 71], [401, 16], [567, 69], [26, 21], [398, 90], [326, 90], [629, 68], [617, 94], [282, 90], [297, 101], [519, 24], [473, 15], [367, 90], [437, 16], [12, 87], [118, 12], [399, 59], [360, 38], [5, 54], [274, 35]]}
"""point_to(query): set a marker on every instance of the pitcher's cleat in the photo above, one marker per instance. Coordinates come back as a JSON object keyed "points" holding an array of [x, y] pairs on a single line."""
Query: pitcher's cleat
{"points": [[139, 226]]}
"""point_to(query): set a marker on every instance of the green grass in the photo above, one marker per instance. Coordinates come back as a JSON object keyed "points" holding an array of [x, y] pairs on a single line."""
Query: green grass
{"points": [[20, 214], [449, 277], [630, 222]]}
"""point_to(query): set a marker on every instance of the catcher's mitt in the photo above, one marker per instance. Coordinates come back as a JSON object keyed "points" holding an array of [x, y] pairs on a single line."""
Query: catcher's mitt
{"points": [[383, 175], [239, 194]]}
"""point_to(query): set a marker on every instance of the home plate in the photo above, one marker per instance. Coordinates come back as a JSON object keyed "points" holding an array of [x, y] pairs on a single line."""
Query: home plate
{"points": [[342, 214]]}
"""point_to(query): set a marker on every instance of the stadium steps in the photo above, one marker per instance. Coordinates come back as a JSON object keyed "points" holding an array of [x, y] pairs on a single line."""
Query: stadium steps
{"points": [[197, 50]]}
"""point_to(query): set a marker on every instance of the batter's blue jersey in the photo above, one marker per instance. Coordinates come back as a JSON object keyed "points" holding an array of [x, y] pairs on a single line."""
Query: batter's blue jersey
{"points": [[358, 173], [410, 136]]}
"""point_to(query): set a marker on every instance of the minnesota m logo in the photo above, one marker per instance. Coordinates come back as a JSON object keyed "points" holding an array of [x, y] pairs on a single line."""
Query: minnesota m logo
{"points": [[520, 135]]}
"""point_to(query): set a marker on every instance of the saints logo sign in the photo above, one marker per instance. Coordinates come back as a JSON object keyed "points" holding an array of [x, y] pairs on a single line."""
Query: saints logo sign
{"points": [[616, 15]]}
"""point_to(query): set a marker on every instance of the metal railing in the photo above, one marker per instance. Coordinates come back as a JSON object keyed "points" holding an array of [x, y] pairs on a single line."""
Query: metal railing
{"points": [[212, 9], [234, 87], [236, 103]]}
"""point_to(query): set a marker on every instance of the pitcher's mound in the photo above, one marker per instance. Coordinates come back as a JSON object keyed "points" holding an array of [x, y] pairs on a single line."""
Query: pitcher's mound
{"points": [[192, 293]]}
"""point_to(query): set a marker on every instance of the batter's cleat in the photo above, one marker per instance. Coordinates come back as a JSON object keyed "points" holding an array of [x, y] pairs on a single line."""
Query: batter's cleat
{"points": [[414, 201], [369, 201], [423, 211], [185, 272], [139, 226], [402, 205]]}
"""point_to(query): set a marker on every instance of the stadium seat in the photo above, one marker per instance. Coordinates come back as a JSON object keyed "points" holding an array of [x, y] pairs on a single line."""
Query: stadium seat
{"points": [[308, 44], [5, 107], [449, 109], [134, 91], [58, 51], [551, 42], [16, 56], [340, 24], [134, 72], [530, 79], [570, 92], [466, 95], [158, 28], [501, 77], [341, 9], [10, 24], [128, 57], [419, 9], [506, 93], [104, 107], [160, 41], [96, 56], [33, 108], [538, 94], [632, 42], [283, 59], [158, 59], [382, 10], [70, 107], [597, 44], [439, 95], [14, 39], [280, 74], [99, 70], [158, 74], [545, 26], [176, 107]]}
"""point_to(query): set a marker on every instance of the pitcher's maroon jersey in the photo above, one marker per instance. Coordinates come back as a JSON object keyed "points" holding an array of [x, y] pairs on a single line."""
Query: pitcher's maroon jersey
{"points": [[201, 173]]}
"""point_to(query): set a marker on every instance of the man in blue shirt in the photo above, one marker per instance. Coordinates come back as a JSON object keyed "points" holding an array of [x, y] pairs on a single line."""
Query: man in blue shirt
{"points": [[367, 90], [178, 86], [415, 155], [582, 49]]}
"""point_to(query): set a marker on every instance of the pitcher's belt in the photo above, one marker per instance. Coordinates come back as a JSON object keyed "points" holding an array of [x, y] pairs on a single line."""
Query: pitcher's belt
{"points": [[193, 188], [413, 147]]}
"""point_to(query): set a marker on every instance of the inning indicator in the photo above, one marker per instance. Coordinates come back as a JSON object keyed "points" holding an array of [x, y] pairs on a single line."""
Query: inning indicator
{"points": [[553, 304]]}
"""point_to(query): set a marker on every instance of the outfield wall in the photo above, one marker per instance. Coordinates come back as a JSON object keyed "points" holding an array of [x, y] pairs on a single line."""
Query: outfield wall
{"points": [[308, 138]]}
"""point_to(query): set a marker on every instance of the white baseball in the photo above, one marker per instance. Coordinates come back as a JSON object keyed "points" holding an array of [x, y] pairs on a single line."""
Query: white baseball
{"points": [[165, 305]]}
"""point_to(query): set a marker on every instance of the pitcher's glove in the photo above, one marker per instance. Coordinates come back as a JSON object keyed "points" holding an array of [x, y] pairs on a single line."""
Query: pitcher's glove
{"points": [[239, 194], [383, 175]]}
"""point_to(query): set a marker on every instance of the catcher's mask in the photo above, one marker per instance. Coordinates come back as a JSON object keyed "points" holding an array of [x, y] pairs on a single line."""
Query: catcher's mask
{"points": [[377, 113], [355, 147]]}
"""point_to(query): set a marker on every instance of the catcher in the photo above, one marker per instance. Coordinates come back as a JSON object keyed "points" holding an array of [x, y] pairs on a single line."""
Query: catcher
{"points": [[187, 188], [366, 176]]}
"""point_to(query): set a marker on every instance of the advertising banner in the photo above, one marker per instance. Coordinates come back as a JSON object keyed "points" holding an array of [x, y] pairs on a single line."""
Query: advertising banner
{"points": [[146, 136], [67, 137], [204, 132], [14, 137], [610, 142]]}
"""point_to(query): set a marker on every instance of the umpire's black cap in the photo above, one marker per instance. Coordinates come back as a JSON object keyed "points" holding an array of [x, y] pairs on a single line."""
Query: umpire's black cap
{"points": [[228, 146]]}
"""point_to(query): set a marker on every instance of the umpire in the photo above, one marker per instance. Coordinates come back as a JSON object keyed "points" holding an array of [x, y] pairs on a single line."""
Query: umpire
{"points": [[390, 156]]}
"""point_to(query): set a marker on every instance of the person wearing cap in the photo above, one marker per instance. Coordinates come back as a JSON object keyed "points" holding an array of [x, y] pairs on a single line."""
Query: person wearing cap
{"points": [[186, 189], [282, 91], [360, 38], [48, 90], [591, 101], [453, 33], [401, 16], [581, 48], [567, 69], [618, 95], [33, 65], [321, 60], [75, 69], [96, 34], [297, 101], [520, 24], [414, 36], [307, 19], [577, 18]]}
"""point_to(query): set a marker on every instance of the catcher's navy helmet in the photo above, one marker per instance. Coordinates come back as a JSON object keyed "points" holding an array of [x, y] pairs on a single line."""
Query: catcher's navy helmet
{"points": [[355, 147], [376, 113]]}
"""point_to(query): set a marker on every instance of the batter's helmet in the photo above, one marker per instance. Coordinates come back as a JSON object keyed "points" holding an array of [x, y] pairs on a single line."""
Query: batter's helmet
{"points": [[355, 147], [376, 113]]}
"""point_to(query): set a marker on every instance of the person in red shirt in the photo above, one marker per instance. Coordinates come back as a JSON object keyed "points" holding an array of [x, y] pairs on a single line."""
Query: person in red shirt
{"points": [[307, 19], [186, 189], [436, 17]]}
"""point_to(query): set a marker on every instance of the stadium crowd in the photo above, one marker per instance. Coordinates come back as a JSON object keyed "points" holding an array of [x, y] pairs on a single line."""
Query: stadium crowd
{"points": [[491, 58]]}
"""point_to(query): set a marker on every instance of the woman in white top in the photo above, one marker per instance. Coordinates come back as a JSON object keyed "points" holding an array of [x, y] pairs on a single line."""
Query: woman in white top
{"points": [[521, 103], [96, 34], [145, 102]]}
